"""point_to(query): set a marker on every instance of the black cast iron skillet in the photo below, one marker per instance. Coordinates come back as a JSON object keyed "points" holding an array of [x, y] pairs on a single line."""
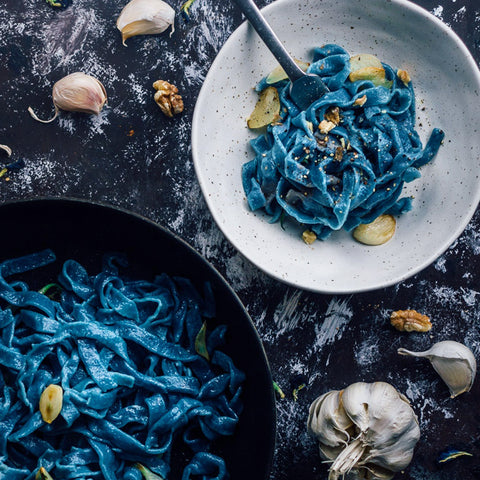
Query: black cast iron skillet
{"points": [[85, 231]]}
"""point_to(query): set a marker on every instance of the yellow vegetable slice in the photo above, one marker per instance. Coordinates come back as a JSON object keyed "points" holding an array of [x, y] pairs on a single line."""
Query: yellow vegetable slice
{"points": [[368, 67], [267, 109], [278, 73]]}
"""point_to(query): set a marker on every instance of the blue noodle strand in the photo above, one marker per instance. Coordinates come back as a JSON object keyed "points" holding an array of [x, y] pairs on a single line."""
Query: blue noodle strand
{"points": [[134, 386], [354, 173]]}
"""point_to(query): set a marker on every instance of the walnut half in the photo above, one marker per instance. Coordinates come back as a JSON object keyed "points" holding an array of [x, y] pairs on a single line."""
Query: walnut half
{"points": [[410, 321], [167, 98]]}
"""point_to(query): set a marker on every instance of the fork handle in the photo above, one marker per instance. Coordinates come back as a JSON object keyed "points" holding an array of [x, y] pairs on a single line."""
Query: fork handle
{"points": [[258, 22]]}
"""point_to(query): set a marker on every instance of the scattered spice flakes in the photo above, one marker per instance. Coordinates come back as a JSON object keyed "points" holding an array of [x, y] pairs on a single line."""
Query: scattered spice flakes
{"points": [[131, 133]]}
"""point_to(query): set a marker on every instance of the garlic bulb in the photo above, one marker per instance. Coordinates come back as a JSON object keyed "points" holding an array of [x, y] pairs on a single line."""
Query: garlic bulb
{"points": [[453, 361], [145, 17], [367, 429], [77, 92]]}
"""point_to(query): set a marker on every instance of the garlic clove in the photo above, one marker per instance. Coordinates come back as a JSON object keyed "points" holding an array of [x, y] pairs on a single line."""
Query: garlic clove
{"points": [[355, 401], [453, 361], [145, 17], [77, 92], [51, 401], [7, 149], [396, 455], [42, 474], [378, 232], [328, 419]]}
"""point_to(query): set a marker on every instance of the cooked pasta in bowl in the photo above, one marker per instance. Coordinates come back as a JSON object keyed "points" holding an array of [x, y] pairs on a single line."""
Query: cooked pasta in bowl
{"points": [[372, 182]]}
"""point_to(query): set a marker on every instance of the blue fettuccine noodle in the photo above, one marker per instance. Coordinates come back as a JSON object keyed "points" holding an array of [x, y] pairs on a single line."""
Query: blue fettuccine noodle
{"points": [[134, 385], [354, 173]]}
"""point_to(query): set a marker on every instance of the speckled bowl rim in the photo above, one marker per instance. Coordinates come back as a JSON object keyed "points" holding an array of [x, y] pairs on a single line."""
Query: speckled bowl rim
{"points": [[230, 234]]}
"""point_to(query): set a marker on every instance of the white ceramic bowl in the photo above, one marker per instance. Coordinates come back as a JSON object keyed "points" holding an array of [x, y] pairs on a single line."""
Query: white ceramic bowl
{"points": [[447, 85]]}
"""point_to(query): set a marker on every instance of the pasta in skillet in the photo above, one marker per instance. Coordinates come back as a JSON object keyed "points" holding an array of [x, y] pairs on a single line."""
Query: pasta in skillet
{"points": [[139, 372]]}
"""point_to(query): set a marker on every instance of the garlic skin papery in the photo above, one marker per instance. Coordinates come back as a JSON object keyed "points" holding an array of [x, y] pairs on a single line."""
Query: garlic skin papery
{"points": [[453, 361], [145, 17], [367, 430], [7, 149], [77, 92]]}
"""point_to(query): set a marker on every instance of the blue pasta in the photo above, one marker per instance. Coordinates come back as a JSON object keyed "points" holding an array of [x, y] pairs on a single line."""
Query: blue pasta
{"points": [[351, 174], [133, 384]]}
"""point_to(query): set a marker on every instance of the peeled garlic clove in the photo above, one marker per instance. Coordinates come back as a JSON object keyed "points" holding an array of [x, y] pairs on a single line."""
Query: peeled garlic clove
{"points": [[145, 17], [453, 361], [51, 401], [378, 232], [77, 92], [42, 474], [7, 149]]}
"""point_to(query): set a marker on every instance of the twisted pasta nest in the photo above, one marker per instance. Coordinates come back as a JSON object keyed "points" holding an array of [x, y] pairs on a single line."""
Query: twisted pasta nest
{"points": [[126, 353], [353, 173]]}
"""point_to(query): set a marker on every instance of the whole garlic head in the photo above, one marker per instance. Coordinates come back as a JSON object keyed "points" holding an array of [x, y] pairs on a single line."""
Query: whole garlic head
{"points": [[367, 429]]}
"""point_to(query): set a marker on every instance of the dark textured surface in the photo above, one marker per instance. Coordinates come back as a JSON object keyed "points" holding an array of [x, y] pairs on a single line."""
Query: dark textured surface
{"points": [[131, 156]]}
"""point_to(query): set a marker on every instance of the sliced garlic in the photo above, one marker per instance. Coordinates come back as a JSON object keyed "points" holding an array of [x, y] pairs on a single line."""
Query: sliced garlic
{"points": [[368, 67], [145, 17], [267, 109], [7, 149], [453, 361], [77, 92], [51, 401], [278, 73], [378, 232]]}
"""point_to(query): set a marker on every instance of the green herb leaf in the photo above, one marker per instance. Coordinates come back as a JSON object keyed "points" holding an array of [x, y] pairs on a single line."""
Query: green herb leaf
{"points": [[53, 288], [201, 342], [278, 390], [148, 474], [296, 390]]}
